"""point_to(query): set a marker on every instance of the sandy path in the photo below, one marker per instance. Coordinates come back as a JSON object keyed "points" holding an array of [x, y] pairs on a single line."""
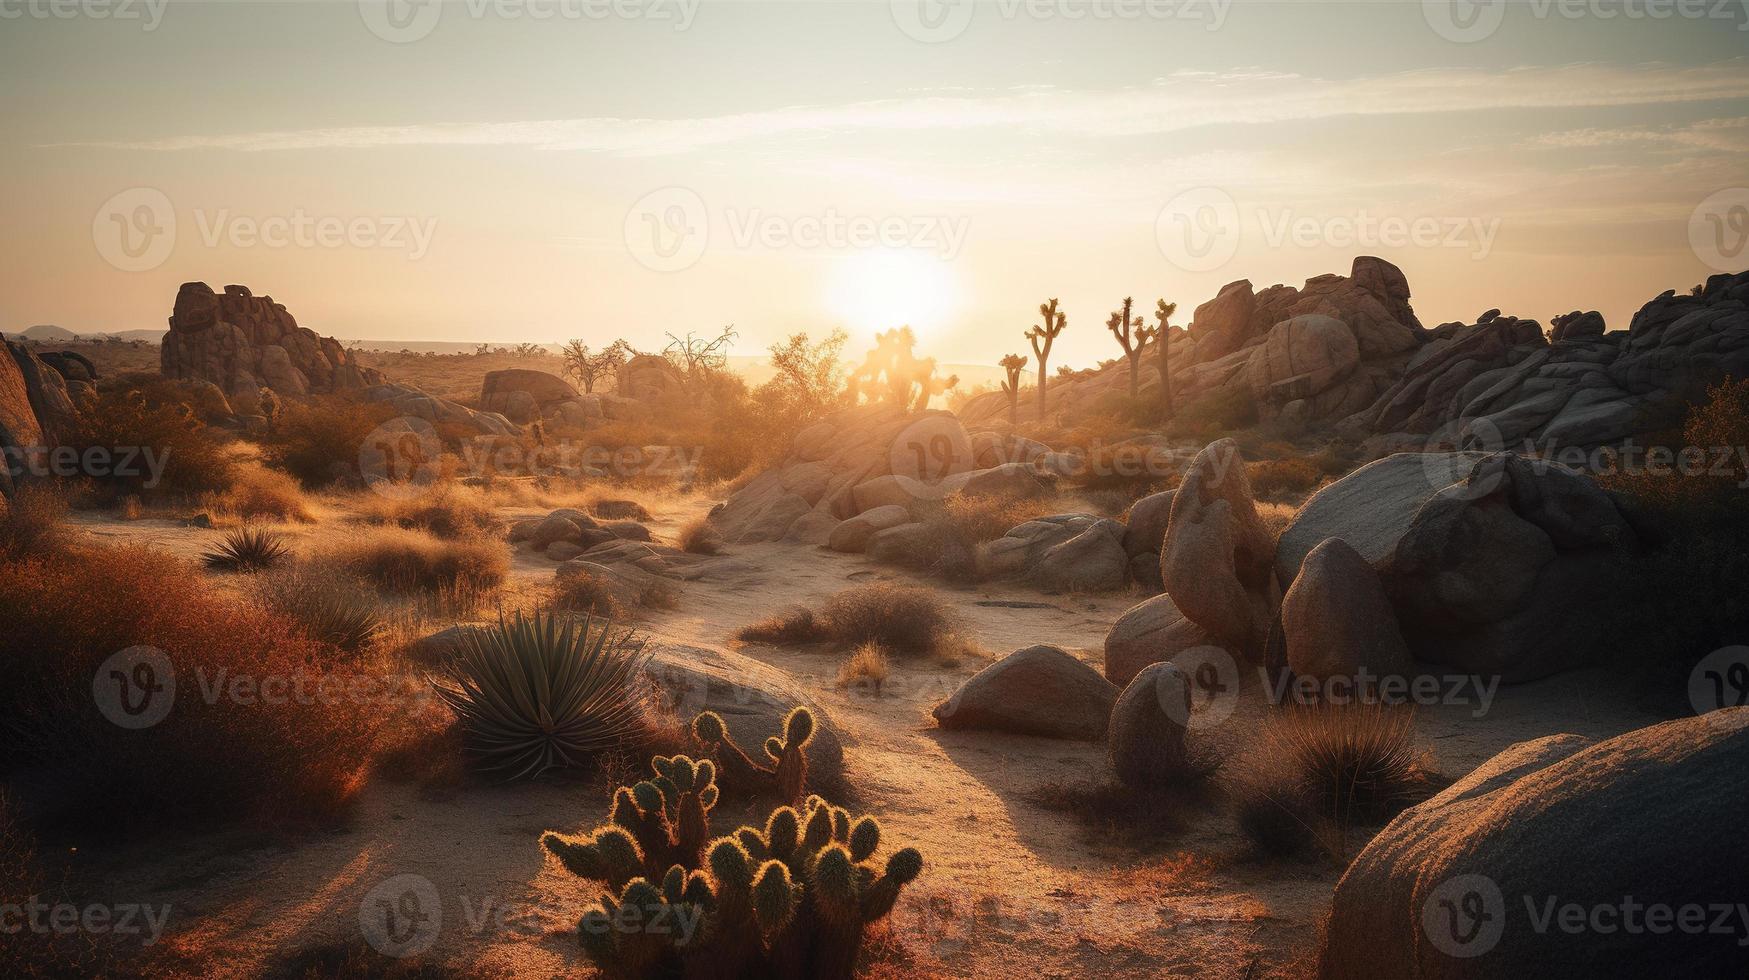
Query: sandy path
{"points": [[1010, 888]]}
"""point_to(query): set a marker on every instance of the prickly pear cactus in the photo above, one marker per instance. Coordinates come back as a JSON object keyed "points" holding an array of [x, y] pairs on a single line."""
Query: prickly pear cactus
{"points": [[787, 774], [790, 899]]}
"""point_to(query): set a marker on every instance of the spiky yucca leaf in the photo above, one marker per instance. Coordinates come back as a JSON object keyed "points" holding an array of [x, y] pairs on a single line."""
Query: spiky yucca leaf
{"points": [[247, 549], [534, 695]]}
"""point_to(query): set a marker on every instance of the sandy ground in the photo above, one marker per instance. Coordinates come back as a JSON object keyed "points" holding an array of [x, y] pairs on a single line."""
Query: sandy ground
{"points": [[1010, 888]]}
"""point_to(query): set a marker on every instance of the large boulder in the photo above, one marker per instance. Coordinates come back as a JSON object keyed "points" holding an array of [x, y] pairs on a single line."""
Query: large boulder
{"points": [[1040, 690], [1598, 836], [650, 376], [1092, 561], [540, 393], [852, 535], [1301, 357], [1509, 572], [1337, 621], [1146, 742], [914, 545], [1370, 508], [1150, 632], [413, 402], [1217, 561], [1145, 532]]}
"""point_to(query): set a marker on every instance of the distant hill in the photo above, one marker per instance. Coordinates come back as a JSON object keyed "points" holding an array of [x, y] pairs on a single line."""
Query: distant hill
{"points": [[48, 332]]}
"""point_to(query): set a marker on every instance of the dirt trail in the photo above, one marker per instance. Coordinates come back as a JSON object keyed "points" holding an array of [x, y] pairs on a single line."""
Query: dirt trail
{"points": [[1010, 889]]}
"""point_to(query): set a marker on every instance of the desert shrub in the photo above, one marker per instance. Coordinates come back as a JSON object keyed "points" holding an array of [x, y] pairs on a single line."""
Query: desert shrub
{"points": [[866, 667], [139, 437], [579, 591], [30, 521], [793, 896], [619, 509], [979, 518], [903, 619], [317, 440], [1278, 479], [444, 512], [700, 538], [535, 694], [412, 562], [1280, 821], [221, 758], [1350, 765], [792, 627], [1683, 596], [1220, 411], [247, 549], [336, 611], [259, 493]]}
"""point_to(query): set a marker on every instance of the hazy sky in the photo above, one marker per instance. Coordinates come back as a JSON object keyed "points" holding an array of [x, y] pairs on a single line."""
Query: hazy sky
{"points": [[545, 169]]}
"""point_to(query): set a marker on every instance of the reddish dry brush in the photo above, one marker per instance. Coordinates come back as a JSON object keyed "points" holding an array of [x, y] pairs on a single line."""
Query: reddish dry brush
{"points": [[265, 724]]}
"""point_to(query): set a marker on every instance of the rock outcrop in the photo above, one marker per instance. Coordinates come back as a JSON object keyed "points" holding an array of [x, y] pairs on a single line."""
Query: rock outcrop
{"points": [[1149, 633], [1454, 888], [649, 376], [245, 343], [523, 395], [1371, 508], [1146, 743], [1337, 621]]}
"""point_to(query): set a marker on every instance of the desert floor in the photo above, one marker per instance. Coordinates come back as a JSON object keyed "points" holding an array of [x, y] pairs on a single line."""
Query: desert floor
{"points": [[1011, 887]]}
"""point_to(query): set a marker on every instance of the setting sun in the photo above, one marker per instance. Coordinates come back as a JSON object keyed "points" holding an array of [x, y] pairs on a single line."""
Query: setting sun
{"points": [[878, 290]]}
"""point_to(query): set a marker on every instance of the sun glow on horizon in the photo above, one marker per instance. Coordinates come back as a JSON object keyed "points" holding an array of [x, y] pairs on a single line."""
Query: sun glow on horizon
{"points": [[878, 290]]}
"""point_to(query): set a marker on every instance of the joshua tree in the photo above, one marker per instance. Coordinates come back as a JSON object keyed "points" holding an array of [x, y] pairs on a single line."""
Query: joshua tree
{"points": [[1042, 337], [1163, 312], [890, 363], [590, 366], [1013, 364], [928, 385], [1132, 336]]}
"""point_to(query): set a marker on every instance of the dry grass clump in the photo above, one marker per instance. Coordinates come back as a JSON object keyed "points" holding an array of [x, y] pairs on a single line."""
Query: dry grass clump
{"points": [[1319, 771], [619, 509], [700, 538], [903, 619], [30, 521], [792, 627], [1276, 517], [979, 518], [1283, 479], [317, 440], [581, 592], [406, 562], [444, 512], [247, 549], [268, 746], [259, 493], [334, 610], [865, 668]]}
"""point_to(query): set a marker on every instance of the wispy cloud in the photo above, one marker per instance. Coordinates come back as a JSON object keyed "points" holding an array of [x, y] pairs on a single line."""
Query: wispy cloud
{"points": [[1178, 102]]}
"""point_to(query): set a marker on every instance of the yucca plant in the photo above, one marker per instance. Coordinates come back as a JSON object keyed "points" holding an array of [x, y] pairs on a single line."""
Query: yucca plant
{"points": [[544, 691], [247, 549]]}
